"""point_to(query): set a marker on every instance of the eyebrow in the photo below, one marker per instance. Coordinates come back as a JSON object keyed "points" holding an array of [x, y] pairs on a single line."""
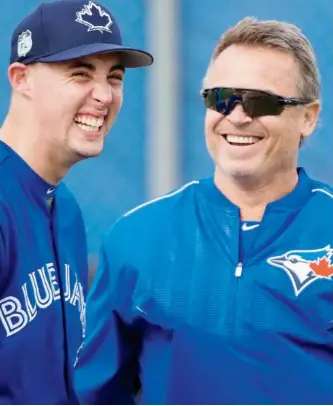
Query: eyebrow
{"points": [[81, 64]]}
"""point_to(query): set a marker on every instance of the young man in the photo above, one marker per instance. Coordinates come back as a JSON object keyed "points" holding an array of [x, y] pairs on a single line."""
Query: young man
{"points": [[222, 292], [66, 73]]}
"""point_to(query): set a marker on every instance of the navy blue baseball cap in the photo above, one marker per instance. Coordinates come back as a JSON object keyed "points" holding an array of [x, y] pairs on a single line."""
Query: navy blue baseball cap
{"points": [[62, 30]]}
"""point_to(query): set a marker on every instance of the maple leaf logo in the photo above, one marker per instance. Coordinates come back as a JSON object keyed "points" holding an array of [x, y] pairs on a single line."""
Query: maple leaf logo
{"points": [[322, 267], [95, 18]]}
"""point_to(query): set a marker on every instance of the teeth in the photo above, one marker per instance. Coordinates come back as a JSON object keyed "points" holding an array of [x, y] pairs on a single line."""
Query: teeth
{"points": [[90, 121], [87, 127], [234, 139]]}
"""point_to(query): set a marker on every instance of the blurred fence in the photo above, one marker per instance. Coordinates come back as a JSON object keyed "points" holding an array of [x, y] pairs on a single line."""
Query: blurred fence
{"points": [[117, 180]]}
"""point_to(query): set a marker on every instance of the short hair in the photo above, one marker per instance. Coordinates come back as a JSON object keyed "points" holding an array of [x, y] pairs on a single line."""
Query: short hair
{"points": [[277, 35]]}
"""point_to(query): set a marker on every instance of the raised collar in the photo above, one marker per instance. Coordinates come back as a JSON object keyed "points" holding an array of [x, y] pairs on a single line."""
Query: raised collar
{"points": [[290, 202]]}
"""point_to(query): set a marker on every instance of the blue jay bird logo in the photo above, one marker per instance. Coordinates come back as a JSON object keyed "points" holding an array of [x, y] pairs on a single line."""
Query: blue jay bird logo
{"points": [[305, 266], [94, 17]]}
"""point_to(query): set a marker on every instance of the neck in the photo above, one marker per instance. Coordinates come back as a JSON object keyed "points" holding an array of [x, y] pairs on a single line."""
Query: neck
{"points": [[28, 143], [253, 195]]}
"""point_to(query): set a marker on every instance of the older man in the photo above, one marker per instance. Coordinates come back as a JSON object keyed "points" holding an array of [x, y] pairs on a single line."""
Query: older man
{"points": [[221, 292]]}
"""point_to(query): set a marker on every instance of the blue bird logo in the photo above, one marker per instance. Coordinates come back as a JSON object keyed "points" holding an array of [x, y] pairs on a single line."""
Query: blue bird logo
{"points": [[305, 266]]}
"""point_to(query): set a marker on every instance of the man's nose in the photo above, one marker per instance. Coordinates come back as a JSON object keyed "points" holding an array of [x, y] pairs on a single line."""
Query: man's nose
{"points": [[102, 93], [238, 115]]}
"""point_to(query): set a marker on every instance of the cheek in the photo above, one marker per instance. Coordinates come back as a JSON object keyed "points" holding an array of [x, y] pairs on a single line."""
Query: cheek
{"points": [[117, 99], [276, 128], [211, 120], [115, 106], [283, 134], [49, 111], [63, 105], [49, 101]]}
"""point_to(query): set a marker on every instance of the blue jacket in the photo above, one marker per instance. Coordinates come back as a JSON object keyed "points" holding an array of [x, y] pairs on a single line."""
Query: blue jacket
{"points": [[207, 310], [43, 281]]}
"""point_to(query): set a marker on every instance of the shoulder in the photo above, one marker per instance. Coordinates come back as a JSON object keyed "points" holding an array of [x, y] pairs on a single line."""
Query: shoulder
{"points": [[152, 217], [164, 203]]}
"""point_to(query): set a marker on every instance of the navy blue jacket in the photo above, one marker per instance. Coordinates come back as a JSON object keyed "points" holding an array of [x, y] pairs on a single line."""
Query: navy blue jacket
{"points": [[43, 282]]}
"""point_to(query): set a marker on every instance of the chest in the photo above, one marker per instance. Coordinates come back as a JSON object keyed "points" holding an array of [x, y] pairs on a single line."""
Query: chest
{"points": [[41, 283], [282, 283]]}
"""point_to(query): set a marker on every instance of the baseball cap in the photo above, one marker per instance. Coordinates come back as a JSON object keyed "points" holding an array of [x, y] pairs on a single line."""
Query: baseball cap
{"points": [[62, 30]]}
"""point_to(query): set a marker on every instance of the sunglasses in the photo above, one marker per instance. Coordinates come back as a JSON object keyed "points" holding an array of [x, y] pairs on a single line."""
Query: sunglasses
{"points": [[256, 103]]}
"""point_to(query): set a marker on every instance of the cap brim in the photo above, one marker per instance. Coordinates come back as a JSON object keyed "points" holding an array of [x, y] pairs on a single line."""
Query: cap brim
{"points": [[130, 57]]}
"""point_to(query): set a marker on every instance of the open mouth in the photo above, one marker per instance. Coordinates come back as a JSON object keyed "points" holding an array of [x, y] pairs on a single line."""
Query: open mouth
{"points": [[241, 140], [89, 123]]}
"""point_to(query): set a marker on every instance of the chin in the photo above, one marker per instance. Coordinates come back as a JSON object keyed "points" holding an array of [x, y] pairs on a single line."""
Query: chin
{"points": [[239, 172], [90, 153], [88, 149], [242, 173]]}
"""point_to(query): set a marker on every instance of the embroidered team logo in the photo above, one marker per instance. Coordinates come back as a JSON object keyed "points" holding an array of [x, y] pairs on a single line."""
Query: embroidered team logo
{"points": [[95, 18], [24, 43], [305, 266]]}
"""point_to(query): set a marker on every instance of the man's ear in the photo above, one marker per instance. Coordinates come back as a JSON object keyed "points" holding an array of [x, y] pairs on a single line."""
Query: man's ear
{"points": [[19, 79], [311, 115]]}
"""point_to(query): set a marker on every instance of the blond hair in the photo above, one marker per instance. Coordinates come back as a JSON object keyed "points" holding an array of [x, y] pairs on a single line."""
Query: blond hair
{"points": [[282, 36]]}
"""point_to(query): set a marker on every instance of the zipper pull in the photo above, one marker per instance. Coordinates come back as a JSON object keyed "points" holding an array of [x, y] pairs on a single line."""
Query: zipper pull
{"points": [[239, 270]]}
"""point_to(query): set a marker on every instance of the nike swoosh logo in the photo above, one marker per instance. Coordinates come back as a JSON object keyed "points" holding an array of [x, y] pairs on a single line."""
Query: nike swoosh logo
{"points": [[50, 191], [245, 227]]}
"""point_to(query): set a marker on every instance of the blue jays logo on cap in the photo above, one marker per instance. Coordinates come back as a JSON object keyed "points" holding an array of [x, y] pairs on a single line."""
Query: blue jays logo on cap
{"points": [[95, 18], [305, 266]]}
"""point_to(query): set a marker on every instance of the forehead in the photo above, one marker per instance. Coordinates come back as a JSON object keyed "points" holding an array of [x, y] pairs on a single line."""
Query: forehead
{"points": [[100, 63], [107, 60], [256, 68]]}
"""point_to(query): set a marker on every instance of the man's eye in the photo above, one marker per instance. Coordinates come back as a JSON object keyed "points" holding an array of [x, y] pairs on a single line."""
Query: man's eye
{"points": [[80, 74], [116, 78]]}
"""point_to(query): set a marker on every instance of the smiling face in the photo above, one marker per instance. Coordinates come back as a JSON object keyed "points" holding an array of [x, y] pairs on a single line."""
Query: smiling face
{"points": [[75, 103], [261, 147]]}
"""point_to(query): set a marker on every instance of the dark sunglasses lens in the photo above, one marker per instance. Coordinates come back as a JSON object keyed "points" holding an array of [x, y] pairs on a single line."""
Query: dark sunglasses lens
{"points": [[257, 104], [215, 99], [210, 98]]}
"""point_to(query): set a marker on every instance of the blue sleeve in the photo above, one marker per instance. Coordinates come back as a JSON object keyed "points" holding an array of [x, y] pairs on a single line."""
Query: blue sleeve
{"points": [[4, 255], [2, 252], [107, 368]]}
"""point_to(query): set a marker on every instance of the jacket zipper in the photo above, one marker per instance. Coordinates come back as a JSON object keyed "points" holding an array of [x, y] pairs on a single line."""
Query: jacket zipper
{"points": [[237, 275], [239, 270]]}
